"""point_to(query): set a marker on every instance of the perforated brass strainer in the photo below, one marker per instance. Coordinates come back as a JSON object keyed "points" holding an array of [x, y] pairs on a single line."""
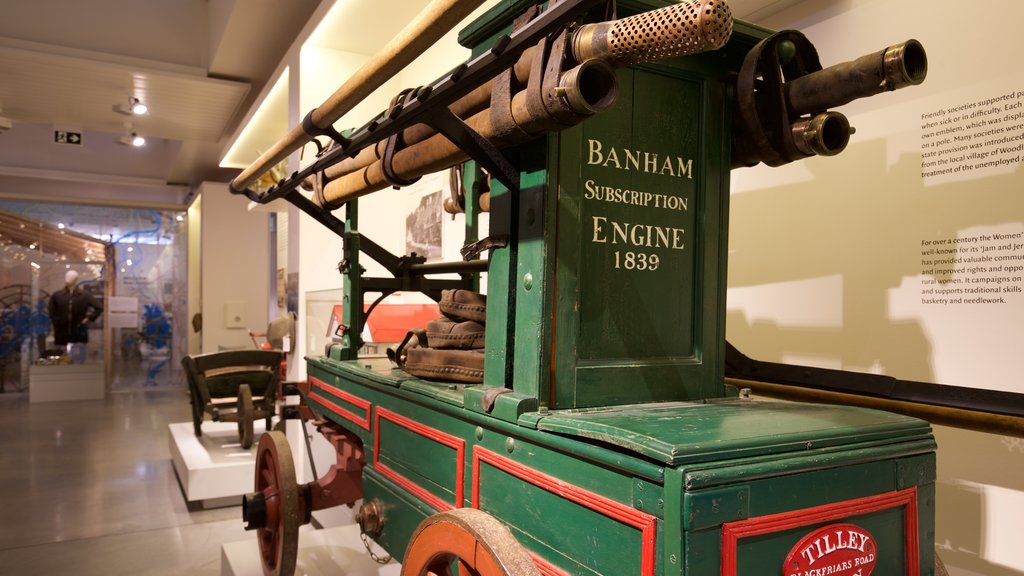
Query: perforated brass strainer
{"points": [[686, 28]]}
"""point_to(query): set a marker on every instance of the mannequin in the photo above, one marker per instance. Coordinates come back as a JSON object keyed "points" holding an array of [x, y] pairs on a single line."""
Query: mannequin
{"points": [[71, 310]]}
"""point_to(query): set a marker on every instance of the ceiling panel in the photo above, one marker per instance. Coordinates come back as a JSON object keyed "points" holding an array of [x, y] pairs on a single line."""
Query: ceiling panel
{"points": [[46, 88]]}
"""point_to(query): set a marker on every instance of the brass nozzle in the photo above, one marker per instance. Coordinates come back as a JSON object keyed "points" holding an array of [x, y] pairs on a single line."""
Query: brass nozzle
{"points": [[589, 88], [905, 64], [825, 134]]}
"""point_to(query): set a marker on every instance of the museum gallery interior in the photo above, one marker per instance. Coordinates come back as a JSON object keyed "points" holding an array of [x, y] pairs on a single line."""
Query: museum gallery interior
{"points": [[503, 288]]}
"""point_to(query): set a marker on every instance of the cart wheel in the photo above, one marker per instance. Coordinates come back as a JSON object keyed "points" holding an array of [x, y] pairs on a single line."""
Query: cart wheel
{"points": [[275, 478], [245, 416], [471, 542]]}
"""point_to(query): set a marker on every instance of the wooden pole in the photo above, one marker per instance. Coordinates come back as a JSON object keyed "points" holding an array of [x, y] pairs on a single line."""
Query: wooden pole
{"points": [[436, 20]]}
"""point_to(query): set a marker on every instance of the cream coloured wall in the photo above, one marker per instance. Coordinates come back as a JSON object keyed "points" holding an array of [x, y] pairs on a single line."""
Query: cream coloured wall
{"points": [[194, 275], [234, 270], [826, 265]]}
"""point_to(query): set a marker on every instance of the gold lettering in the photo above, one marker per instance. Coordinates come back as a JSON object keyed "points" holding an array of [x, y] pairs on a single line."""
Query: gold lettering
{"points": [[650, 162], [634, 238], [595, 156], [662, 236], [619, 231], [641, 235], [667, 167], [633, 159], [685, 168], [677, 239], [612, 157], [598, 231], [638, 160]]}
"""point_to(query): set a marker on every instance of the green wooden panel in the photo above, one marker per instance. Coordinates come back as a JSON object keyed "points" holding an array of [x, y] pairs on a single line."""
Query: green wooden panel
{"points": [[564, 508], [420, 460], [640, 205], [677, 433], [501, 299], [788, 493], [886, 527], [589, 538], [534, 278]]}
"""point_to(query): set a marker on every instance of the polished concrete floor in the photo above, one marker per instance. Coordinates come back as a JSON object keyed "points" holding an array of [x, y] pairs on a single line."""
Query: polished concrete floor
{"points": [[88, 488]]}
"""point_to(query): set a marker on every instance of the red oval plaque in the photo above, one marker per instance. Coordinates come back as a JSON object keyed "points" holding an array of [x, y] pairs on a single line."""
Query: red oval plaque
{"points": [[834, 550]]}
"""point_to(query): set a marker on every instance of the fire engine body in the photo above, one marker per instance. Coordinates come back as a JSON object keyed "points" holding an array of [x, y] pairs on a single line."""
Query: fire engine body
{"points": [[604, 437]]}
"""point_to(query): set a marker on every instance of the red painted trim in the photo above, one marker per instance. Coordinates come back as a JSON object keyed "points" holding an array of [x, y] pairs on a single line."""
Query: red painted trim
{"points": [[458, 444], [732, 532], [545, 568], [361, 421], [627, 515]]}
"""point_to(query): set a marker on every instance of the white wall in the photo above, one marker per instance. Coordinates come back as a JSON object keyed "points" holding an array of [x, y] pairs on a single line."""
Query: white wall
{"points": [[826, 263], [235, 267], [195, 273]]}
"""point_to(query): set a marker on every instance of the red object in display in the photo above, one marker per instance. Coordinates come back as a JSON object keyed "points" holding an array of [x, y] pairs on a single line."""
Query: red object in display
{"points": [[389, 322]]}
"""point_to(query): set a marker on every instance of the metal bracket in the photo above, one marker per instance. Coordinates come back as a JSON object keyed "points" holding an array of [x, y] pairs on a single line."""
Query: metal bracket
{"points": [[395, 140], [472, 251], [313, 130]]}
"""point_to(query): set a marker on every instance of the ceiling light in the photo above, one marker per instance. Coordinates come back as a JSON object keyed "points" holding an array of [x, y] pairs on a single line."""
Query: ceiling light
{"points": [[138, 106], [132, 139], [60, 225], [133, 107]]}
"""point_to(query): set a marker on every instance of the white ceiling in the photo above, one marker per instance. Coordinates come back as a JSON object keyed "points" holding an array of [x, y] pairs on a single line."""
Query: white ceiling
{"points": [[198, 64], [68, 64]]}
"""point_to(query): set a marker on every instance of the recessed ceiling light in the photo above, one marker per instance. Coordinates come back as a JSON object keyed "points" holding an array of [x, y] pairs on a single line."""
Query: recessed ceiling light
{"points": [[138, 106]]}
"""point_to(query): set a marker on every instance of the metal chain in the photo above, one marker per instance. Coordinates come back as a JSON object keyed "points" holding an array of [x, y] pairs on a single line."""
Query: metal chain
{"points": [[369, 549]]}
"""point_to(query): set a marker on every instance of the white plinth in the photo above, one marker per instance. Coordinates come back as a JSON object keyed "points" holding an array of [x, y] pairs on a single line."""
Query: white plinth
{"points": [[60, 382], [213, 469], [321, 553]]}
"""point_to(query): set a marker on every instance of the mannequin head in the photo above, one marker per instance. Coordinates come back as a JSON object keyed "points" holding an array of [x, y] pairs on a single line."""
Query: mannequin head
{"points": [[71, 278]]}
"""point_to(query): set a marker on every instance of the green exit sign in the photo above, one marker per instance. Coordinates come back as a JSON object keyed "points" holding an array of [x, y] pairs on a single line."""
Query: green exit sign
{"points": [[65, 137]]}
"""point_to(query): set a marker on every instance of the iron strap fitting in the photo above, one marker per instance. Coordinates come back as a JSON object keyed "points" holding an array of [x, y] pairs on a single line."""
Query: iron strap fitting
{"points": [[312, 129], [473, 250], [394, 141]]}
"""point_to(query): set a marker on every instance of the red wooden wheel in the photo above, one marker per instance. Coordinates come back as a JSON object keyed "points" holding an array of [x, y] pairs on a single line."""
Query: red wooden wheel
{"points": [[465, 542], [275, 478]]}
